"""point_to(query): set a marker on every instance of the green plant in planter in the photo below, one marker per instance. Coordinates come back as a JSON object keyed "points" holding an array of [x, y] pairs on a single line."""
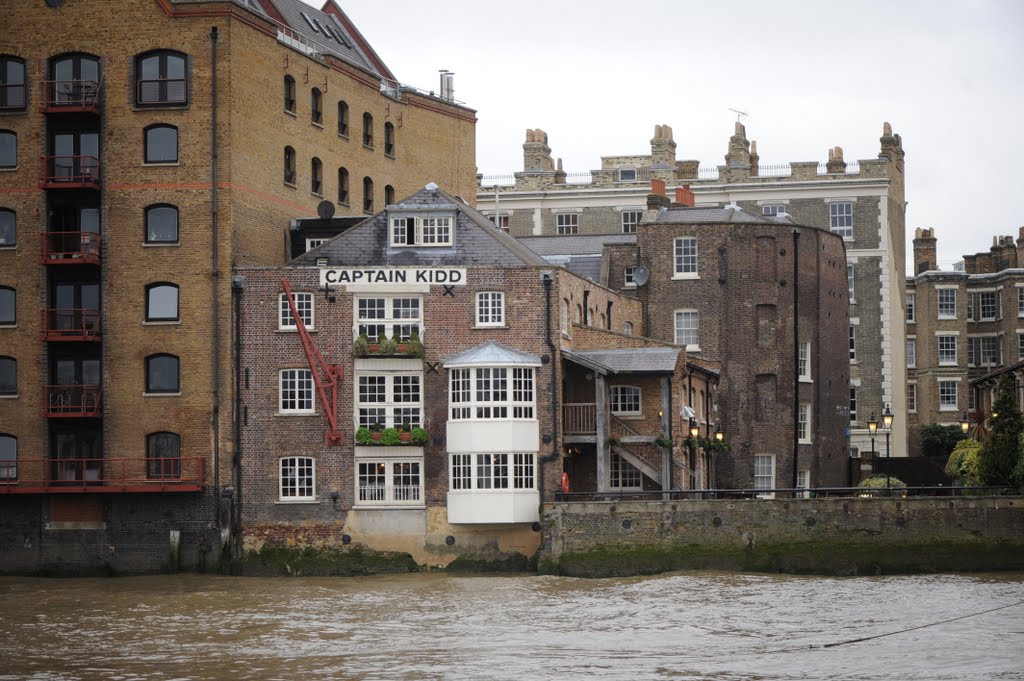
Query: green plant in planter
{"points": [[663, 440], [614, 441], [390, 437], [414, 346], [387, 347], [361, 346], [363, 436], [419, 436]]}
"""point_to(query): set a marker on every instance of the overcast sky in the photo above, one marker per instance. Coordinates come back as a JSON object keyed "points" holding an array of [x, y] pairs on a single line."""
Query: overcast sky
{"points": [[598, 75]]}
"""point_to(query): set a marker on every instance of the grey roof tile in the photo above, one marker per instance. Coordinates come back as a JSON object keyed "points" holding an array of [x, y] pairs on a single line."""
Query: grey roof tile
{"points": [[492, 354], [574, 245], [628, 361]]}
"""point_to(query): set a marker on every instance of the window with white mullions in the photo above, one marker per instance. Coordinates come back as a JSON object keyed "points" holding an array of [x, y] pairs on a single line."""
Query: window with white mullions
{"points": [[482, 393], [493, 471], [841, 218], [390, 400], [685, 256], [387, 316], [764, 472], [421, 230], [297, 478], [296, 391], [304, 306], [623, 474], [389, 482], [567, 223], [630, 219], [988, 305], [625, 400], [490, 308]]}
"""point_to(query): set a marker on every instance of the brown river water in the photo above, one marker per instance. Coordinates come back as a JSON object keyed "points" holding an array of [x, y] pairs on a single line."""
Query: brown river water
{"points": [[687, 625]]}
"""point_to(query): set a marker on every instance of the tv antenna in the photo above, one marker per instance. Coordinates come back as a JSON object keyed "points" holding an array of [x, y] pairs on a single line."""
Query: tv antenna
{"points": [[739, 114]]}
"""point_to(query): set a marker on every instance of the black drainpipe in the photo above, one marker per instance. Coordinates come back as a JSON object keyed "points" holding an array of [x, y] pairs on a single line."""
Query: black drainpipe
{"points": [[237, 286], [215, 277], [586, 310], [796, 355], [548, 279]]}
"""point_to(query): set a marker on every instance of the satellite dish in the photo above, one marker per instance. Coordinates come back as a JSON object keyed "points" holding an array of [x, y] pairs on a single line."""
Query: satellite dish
{"points": [[641, 275], [325, 209]]}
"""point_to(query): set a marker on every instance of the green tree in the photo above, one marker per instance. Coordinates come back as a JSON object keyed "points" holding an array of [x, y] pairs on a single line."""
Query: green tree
{"points": [[939, 440], [962, 466], [999, 456]]}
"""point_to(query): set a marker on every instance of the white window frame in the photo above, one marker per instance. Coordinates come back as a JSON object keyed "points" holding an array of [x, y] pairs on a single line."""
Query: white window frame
{"points": [[911, 352], [627, 328], [492, 393], [947, 354], [840, 217], [391, 320], [626, 400], [853, 343], [804, 360], [803, 425], [850, 282], [763, 479], [987, 306], [316, 242], [946, 308], [912, 397], [629, 220], [1020, 344], [305, 306], [388, 494], [563, 319], [396, 406], [429, 231], [854, 398], [623, 475], [291, 488], [627, 276], [943, 387], [773, 209], [685, 258], [567, 224], [803, 481], [627, 175], [687, 332], [988, 349], [496, 472], [490, 308], [1020, 300], [300, 395], [911, 303]]}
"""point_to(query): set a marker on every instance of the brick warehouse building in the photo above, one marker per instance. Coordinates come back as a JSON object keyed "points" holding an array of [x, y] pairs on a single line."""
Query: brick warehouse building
{"points": [[965, 327], [863, 201], [509, 389], [121, 216]]}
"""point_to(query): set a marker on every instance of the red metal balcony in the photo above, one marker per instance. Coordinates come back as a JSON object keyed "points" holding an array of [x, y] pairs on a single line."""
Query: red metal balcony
{"points": [[161, 92], [186, 474], [69, 96], [71, 324], [70, 172], [72, 401], [71, 248]]}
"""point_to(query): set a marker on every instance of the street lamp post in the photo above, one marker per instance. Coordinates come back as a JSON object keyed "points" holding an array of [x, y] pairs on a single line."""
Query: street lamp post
{"points": [[872, 429], [887, 424], [694, 432], [965, 424]]}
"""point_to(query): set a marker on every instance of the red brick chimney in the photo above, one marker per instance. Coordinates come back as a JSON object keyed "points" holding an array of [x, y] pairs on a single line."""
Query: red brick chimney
{"points": [[657, 199]]}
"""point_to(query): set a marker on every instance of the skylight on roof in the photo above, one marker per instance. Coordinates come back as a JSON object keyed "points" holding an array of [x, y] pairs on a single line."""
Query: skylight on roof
{"points": [[310, 22]]}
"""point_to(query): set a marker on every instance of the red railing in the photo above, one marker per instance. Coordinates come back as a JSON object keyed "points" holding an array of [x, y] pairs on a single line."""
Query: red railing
{"points": [[71, 248], [579, 419], [70, 172], [71, 324], [184, 474], [12, 97], [161, 91], [69, 95], [72, 401]]}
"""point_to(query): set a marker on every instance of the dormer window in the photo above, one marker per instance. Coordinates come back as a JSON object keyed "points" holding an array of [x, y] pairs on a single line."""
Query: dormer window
{"points": [[422, 230]]}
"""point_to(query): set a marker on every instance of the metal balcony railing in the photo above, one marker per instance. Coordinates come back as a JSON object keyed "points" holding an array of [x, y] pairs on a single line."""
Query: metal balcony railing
{"points": [[71, 248], [72, 401], [70, 172], [135, 474], [161, 92], [71, 324], [69, 96], [579, 419]]}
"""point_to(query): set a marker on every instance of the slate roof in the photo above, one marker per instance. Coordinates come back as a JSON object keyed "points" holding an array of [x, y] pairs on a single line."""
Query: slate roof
{"points": [[477, 241], [719, 214], [574, 245], [492, 354], [627, 361]]}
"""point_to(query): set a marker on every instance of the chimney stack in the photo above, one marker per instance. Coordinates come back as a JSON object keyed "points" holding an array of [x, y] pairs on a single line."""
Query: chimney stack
{"points": [[537, 153], [684, 196], [657, 199], [925, 258]]}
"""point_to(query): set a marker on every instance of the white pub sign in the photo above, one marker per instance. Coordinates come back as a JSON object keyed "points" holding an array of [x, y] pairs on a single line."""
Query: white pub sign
{"points": [[447, 276]]}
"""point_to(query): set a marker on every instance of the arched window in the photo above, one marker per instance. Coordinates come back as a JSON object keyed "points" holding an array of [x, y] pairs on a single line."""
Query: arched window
{"points": [[74, 80], [578, 317], [8, 457], [343, 186], [625, 400], [316, 184], [8, 306], [8, 228], [367, 195], [564, 317], [627, 328], [389, 195], [8, 376], [162, 374], [316, 106], [161, 144], [160, 79], [12, 83], [343, 118], [289, 165], [162, 224], [389, 139], [8, 149], [367, 130], [289, 94], [163, 455], [162, 302]]}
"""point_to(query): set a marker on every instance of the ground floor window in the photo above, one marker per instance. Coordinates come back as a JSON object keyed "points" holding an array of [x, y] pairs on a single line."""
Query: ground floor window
{"points": [[624, 475], [384, 481], [298, 478], [764, 472], [493, 470]]}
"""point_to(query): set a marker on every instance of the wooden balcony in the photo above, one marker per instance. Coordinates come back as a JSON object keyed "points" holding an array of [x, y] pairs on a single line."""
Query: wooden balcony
{"points": [[72, 401], [103, 476], [70, 172], [69, 96], [71, 248], [579, 419], [71, 324]]}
